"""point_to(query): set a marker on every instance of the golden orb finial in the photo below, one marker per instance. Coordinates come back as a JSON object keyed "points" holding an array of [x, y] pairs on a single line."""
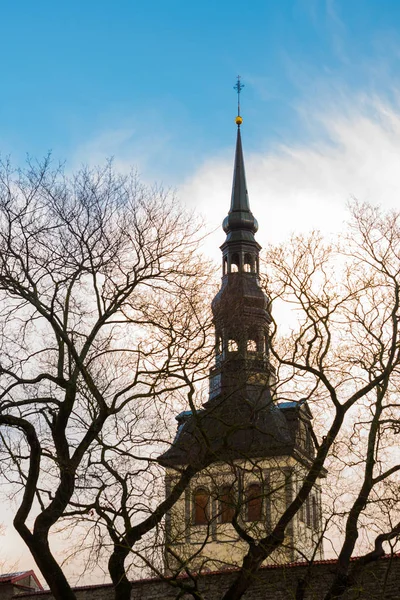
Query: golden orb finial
{"points": [[238, 87]]}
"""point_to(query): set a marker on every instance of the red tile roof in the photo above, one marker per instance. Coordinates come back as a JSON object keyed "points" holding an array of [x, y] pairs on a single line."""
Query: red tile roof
{"points": [[15, 577]]}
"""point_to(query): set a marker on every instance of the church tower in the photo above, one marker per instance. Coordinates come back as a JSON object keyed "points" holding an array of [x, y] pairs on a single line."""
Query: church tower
{"points": [[240, 308], [251, 451]]}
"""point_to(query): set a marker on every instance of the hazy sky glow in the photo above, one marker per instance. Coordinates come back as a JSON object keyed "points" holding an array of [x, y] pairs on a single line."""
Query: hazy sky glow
{"points": [[151, 83]]}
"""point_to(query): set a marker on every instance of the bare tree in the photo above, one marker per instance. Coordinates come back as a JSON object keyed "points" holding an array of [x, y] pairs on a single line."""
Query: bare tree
{"points": [[90, 268], [122, 494], [342, 355], [340, 352], [104, 332]]}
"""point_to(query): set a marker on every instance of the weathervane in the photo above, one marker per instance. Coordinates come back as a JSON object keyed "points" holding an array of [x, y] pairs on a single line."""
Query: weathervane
{"points": [[238, 87]]}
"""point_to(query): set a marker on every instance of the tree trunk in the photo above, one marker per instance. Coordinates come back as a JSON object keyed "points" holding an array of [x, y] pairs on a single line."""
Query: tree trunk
{"points": [[116, 567], [49, 568]]}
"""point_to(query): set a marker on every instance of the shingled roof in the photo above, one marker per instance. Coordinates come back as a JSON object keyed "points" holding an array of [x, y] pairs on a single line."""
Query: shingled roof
{"points": [[233, 430]]}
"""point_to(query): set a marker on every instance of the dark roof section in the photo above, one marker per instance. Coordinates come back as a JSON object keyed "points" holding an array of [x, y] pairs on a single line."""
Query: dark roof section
{"points": [[232, 429], [301, 405], [288, 404]]}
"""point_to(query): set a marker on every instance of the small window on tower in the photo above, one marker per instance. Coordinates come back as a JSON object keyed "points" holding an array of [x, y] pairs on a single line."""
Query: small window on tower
{"points": [[251, 346], [235, 263], [218, 345], [201, 502], [225, 265], [233, 346], [248, 266]]}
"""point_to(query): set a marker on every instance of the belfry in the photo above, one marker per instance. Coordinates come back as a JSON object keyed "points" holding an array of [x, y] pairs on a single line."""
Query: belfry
{"points": [[251, 451]]}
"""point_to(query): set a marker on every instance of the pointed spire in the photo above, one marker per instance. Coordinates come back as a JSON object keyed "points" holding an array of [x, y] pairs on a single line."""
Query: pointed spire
{"points": [[240, 215], [240, 198]]}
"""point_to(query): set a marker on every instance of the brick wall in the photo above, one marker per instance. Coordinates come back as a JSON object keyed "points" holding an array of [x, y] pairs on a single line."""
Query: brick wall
{"points": [[381, 581]]}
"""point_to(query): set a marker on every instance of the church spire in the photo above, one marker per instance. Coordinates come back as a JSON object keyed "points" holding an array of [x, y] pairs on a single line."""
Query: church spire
{"points": [[242, 369], [240, 216]]}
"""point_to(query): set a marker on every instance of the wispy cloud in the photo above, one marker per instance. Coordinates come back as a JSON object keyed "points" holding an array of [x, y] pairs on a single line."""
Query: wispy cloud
{"points": [[130, 145], [337, 30], [350, 147], [353, 151]]}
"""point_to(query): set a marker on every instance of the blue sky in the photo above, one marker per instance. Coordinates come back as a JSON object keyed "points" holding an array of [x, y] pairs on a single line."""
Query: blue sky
{"points": [[160, 73]]}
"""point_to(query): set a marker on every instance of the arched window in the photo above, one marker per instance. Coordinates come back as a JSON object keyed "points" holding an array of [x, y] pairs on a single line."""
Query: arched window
{"points": [[218, 345], [227, 504], [233, 346], [248, 265], [201, 506], [254, 502], [225, 265], [235, 263], [251, 346]]}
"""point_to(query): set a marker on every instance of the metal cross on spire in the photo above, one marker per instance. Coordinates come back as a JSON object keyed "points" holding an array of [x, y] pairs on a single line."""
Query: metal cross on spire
{"points": [[238, 87]]}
